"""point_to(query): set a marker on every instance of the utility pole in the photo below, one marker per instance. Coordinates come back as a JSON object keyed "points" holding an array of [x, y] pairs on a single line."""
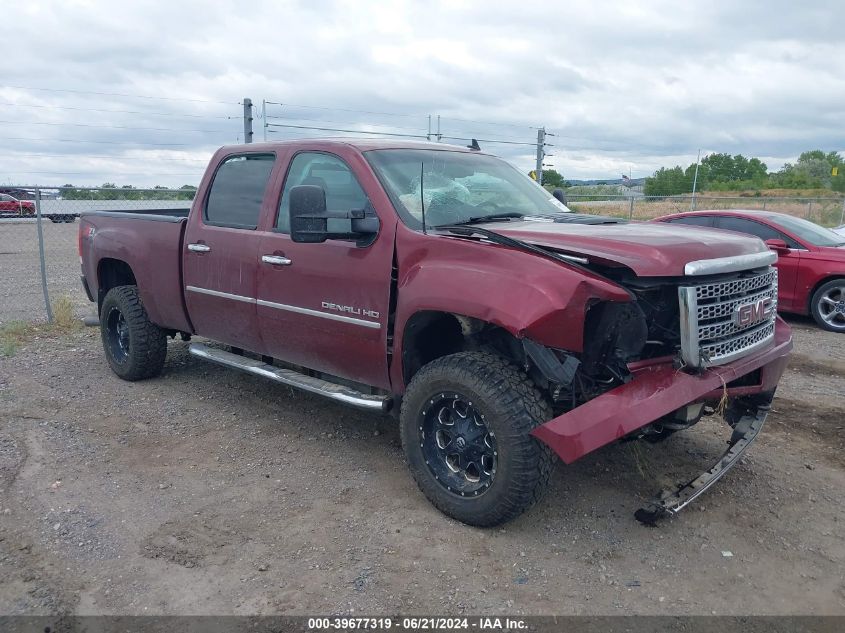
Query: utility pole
{"points": [[695, 180], [264, 117], [541, 153], [247, 120]]}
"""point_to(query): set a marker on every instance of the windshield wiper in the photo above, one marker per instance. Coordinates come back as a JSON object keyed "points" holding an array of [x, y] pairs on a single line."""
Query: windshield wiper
{"points": [[493, 217]]}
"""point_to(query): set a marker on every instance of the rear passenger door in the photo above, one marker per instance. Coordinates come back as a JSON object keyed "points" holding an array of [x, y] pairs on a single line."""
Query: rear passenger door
{"points": [[221, 246]]}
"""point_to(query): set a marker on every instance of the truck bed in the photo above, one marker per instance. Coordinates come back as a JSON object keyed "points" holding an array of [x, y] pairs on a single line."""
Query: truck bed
{"points": [[144, 214], [151, 244]]}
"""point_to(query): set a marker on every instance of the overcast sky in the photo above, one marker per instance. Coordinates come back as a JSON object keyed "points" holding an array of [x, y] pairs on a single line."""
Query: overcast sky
{"points": [[625, 86]]}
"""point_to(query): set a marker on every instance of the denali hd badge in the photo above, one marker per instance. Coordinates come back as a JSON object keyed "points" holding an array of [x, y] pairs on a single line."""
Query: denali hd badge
{"points": [[747, 314]]}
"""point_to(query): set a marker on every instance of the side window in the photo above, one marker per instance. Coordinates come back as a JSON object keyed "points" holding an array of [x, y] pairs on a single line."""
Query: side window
{"points": [[343, 193], [238, 189], [741, 225], [694, 220]]}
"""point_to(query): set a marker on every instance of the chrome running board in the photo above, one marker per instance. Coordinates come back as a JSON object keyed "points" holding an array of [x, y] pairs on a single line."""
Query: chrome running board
{"points": [[292, 378]]}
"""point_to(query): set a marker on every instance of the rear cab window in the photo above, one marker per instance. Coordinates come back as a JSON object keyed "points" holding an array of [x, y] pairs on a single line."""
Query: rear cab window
{"points": [[237, 191]]}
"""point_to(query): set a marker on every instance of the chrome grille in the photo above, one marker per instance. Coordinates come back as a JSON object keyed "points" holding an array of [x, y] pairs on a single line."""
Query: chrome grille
{"points": [[725, 320]]}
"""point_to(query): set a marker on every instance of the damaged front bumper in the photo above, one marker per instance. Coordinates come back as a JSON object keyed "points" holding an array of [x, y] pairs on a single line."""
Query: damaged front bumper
{"points": [[745, 431], [657, 389]]}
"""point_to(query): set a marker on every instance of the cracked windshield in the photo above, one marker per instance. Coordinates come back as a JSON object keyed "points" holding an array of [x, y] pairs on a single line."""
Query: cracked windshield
{"points": [[458, 187]]}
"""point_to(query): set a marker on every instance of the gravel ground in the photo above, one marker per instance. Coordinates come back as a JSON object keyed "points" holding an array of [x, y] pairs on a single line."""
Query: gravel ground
{"points": [[208, 491]]}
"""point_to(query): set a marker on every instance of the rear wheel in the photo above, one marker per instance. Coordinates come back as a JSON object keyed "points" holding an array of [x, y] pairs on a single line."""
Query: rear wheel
{"points": [[465, 426], [135, 347], [828, 305]]}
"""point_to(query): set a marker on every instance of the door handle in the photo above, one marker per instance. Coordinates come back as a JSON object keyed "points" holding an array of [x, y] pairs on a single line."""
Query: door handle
{"points": [[277, 260], [199, 248]]}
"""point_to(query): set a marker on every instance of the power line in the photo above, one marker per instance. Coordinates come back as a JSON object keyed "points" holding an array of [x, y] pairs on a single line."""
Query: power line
{"points": [[443, 117], [81, 140], [114, 127], [55, 107], [310, 107], [88, 173], [487, 140], [298, 118], [109, 156], [332, 129], [119, 94], [514, 125]]}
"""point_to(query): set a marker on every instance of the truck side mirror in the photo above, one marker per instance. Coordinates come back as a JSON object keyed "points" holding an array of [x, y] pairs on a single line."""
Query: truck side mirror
{"points": [[308, 216], [560, 195], [309, 219]]}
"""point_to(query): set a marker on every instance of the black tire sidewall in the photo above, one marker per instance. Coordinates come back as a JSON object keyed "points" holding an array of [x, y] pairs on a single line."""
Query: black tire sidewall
{"points": [[147, 342], [814, 306], [517, 452]]}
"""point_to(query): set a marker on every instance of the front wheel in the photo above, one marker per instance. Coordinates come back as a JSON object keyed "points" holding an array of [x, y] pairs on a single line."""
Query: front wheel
{"points": [[828, 305], [465, 426], [135, 347]]}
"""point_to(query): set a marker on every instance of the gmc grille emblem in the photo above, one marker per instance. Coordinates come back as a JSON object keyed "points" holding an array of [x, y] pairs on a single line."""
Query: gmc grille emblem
{"points": [[747, 314]]}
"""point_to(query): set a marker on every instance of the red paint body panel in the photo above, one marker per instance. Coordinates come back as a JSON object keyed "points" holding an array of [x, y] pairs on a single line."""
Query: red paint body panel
{"points": [[520, 292], [800, 271], [337, 272], [655, 391], [650, 250], [153, 250]]}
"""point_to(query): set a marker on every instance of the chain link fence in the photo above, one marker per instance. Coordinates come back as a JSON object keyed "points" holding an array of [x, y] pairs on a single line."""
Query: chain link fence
{"points": [[39, 258], [827, 212]]}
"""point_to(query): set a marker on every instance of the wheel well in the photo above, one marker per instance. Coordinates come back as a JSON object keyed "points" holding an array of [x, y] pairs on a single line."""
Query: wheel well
{"points": [[430, 335], [112, 273], [812, 292]]}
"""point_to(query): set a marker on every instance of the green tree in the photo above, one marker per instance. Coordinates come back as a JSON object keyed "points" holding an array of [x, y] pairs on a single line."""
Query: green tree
{"points": [[813, 170], [553, 178], [668, 182]]}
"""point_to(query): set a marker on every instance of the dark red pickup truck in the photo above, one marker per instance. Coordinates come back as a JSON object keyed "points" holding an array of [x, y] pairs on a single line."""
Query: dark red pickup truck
{"points": [[442, 286]]}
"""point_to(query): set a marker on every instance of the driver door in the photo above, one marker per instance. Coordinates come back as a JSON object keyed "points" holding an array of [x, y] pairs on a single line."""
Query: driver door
{"points": [[325, 306]]}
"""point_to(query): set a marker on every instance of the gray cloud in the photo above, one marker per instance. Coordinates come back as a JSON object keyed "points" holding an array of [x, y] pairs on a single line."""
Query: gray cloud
{"points": [[625, 86]]}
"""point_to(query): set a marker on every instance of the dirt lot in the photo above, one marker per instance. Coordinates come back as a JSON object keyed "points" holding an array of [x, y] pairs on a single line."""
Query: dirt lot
{"points": [[206, 491]]}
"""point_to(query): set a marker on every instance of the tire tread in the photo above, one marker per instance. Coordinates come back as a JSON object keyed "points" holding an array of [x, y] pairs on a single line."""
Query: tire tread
{"points": [[148, 349], [517, 400]]}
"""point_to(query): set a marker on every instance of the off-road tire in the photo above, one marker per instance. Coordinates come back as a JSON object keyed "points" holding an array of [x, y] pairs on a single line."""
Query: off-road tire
{"points": [[511, 406], [815, 307], [147, 343]]}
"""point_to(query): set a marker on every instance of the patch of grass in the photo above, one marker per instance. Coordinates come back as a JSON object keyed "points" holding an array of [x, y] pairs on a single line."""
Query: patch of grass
{"points": [[12, 335], [64, 319]]}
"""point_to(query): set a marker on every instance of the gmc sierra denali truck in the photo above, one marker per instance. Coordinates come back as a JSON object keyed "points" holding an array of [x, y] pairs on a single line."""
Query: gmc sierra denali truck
{"points": [[440, 285]]}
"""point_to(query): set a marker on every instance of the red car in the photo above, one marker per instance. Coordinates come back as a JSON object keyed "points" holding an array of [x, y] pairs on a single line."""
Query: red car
{"points": [[811, 259], [10, 204]]}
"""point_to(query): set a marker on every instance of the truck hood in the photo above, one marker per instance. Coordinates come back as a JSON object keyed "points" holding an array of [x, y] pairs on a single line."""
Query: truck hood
{"points": [[649, 249]]}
